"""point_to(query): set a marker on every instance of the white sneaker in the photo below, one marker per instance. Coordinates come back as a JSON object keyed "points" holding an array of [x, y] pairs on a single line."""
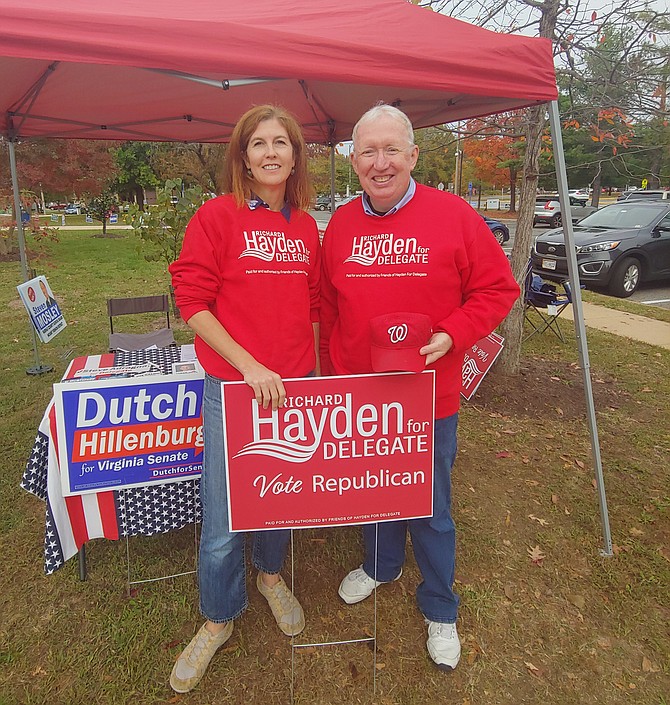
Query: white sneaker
{"points": [[194, 659], [358, 585], [443, 644]]}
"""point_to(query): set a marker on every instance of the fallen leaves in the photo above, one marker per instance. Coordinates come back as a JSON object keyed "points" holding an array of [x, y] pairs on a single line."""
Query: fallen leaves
{"points": [[532, 668], [649, 666], [535, 554], [570, 461], [541, 522], [604, 642]]}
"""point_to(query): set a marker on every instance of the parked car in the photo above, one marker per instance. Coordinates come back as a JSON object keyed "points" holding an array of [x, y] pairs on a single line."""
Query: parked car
{"points": [[500, 230], [548, 210], [72, 209], [322, 203], [580, 194], [641, 195], [618, 247], [344, 201]]}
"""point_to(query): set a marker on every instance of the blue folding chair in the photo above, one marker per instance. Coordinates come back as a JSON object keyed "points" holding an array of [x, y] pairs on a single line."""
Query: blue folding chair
{"points": [[542, 300]]}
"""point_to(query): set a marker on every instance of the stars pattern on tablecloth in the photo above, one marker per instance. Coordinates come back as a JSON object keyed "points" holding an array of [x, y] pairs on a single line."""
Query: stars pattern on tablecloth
{"points": [[158, 508], [53, 551], [34, 478]]}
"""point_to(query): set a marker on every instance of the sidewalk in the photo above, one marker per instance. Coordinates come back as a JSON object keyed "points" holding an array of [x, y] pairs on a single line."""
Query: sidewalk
{"points": [[629, 325]]}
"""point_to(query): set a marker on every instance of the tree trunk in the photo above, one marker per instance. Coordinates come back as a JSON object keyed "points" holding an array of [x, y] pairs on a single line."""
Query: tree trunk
{"points": [[655, 168], [512, 327], [9, 242], [513, 175], [597, 186]]}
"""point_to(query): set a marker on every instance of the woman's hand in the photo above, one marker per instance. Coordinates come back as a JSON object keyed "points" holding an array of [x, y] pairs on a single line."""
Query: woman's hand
{"points": [[267, 385], [439, 344]]}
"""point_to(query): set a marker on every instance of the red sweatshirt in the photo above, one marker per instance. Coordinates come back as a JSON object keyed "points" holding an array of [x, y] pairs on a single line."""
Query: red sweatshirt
{"points": [[435, 256], [259, 275]]}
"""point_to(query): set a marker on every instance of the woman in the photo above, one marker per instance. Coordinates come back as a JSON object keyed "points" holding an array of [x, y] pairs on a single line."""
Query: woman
{"points": [[253, 309]]}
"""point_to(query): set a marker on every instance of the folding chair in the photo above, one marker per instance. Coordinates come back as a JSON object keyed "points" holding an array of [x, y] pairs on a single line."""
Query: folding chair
{"points": [[543, 299], [161, 338]]}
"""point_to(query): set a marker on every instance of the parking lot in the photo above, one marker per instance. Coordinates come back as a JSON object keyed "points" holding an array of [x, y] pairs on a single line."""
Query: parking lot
{"points": [[651, 294]]}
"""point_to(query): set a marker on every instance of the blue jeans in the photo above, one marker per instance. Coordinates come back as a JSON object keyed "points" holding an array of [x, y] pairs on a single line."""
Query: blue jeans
{"points": [[433, 539], [221, 568]]}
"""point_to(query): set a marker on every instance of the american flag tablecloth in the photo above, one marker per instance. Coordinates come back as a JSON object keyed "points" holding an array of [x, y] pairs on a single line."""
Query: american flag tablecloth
{"points": [[140, 511]]}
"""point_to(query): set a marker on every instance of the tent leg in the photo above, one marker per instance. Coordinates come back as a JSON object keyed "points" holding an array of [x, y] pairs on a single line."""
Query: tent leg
{"points": [[38, 367], [332, 178], [580, 330]]}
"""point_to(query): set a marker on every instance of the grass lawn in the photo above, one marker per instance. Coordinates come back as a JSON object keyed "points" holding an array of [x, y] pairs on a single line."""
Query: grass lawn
{"points": [[544, 618]]}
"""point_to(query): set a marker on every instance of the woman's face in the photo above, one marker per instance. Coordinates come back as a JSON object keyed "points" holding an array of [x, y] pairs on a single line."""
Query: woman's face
{"points": [[269, 155]]}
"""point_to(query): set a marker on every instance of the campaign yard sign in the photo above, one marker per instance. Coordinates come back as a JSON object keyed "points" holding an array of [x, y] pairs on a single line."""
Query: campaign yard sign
{"points": [[342, 450], [42, 308], [128, 432], [478, 361]]}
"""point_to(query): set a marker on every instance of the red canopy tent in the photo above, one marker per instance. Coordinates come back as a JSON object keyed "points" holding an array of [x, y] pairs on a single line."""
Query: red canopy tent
{"points": [[169, 70], [161, 70]]}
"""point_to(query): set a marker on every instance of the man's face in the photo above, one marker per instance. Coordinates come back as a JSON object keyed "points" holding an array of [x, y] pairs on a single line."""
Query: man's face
{"points": [[383, 160]]}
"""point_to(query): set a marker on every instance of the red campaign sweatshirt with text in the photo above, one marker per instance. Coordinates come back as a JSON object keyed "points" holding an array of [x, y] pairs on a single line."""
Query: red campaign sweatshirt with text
{"points": [[259, 276], [436, 256]]}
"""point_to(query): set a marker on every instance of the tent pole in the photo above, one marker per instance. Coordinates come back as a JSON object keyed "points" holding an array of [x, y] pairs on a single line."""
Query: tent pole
{"points": [[332, 178], [39, 368], [17, 210], [580, 330]]}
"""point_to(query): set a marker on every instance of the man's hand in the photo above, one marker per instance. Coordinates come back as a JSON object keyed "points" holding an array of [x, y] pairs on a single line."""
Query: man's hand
{"points": [[267, 385], [439, 344]]}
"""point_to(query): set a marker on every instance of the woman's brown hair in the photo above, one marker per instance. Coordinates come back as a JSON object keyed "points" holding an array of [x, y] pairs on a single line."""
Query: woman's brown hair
{"points": [[235, 178]]}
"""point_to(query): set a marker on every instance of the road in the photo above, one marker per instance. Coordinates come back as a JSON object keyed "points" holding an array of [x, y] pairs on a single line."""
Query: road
{"points": [[652, 294]]}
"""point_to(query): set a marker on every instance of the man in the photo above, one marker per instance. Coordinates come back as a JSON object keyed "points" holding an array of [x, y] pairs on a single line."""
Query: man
{"points": [[404, 247]]}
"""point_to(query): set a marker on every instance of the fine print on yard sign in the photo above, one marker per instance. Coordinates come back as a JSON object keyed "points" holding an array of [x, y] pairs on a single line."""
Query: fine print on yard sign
{"points": [[342, 450]]}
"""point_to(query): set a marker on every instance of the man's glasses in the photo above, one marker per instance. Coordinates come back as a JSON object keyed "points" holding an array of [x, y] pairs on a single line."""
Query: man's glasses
{"points": [[389, 152]]}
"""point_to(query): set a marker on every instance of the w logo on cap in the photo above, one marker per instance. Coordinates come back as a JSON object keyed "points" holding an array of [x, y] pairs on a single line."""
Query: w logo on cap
{"points": [[398, 333], [395, 341]]}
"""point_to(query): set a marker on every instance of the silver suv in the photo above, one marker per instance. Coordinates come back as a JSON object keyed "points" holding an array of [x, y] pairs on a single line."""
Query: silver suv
{"points": [[650, 195], [548, 210]]}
